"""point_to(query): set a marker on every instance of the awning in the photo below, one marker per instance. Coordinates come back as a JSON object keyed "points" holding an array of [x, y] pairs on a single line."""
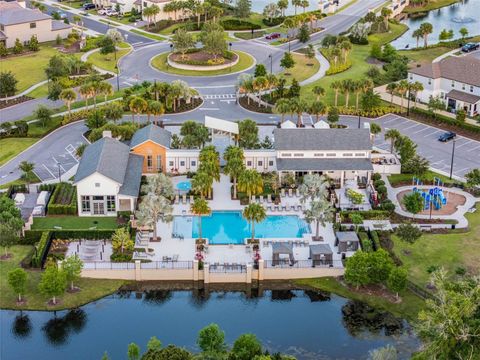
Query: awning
{"points": [[221, 125], [465, 97], [324, 164]]}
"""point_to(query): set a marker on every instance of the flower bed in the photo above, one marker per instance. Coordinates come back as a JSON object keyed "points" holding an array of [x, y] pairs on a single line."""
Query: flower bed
{"points": [[201, 60]]}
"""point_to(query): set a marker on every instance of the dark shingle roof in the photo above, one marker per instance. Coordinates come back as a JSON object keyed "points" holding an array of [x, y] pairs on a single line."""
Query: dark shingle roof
{"points": [[59, 25], [344, 236], [465, 69], [322, 139], [12, 13], [151, 132], [106, 156], [462, 96], [320, 249], [324, 164], [133, 176]]}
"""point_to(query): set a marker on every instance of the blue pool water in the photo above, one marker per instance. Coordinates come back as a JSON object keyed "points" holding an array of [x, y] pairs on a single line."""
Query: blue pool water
{"points": [[229, 227], [184, 186]]}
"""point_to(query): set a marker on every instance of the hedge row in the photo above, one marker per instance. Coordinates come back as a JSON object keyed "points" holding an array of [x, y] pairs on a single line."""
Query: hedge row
{"points": [[439, 119], [41, 249], [236, 24], [375, 239], [31, 237], [367, 215], [64, 200], [365, 242]]}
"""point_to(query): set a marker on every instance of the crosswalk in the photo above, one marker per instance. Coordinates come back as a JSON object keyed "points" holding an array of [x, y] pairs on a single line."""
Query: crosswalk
{"points": [[219, 96]]}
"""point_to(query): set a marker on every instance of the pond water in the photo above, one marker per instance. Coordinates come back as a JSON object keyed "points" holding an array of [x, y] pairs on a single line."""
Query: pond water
{"points": [[306, 324], [259, 5], [454, 17]]}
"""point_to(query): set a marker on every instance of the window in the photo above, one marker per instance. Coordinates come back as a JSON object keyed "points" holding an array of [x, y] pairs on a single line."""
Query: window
{"points": [[286, 155], [298, 155], [2, 28], [97, 184], [85, 203], [429, 81], [453, 83], [270, 163], [110, 203], [182, 163], [159, 162], [170, 163], [33, 25], [249, 163], [331, 154], [149, 162], [193, 163], [318, 154], [259, 163], [97, 198], [471, 88], [347, 155], [359, 154], [463, 86], [145, 4]]}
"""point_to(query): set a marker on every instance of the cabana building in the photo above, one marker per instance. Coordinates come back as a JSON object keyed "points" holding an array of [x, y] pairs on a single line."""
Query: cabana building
{"points": [[321, 254], [346, 241], [282, 254]]}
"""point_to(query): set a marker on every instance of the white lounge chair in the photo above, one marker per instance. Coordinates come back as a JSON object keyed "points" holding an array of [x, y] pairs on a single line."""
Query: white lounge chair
{"points": [[176, 199], [269, 198], [260, 198], [191, 199], [297, 192], [184, 199], [290, 192], [282, 192]]}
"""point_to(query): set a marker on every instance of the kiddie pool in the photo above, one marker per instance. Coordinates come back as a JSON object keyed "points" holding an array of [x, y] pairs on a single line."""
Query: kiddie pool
{"points": [[184, 186]]}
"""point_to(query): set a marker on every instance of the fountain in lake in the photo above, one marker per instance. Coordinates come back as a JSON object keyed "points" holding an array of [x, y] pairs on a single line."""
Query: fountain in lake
{"points": [[462, 18]]}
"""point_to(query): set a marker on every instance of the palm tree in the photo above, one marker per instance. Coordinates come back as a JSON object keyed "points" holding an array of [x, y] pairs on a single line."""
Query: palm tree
{"points": [[402, 88], [290, 23], [296, 3], [416, 87], [235, 165], [68, 96], [202, 183], [254, 213], [156, 109], [391, 89], [317, 108], [304, 4], [199, 10], [106, 89], [356, 88], [259, 84], [210, 161], [320, 212], [336, 86], [250, 182], [347, 86], [216, 12], [426, 29], [311, 18], [386, 13], [200, 208], [86, 93], [417, 34], [282, 106], [137, 105], [393, 135], [345, 46], [26, 168], [298, 106], [318, 91], [335, 52]]}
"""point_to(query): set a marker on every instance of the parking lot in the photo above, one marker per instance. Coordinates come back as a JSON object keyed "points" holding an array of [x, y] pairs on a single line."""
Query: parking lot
{"points": [[467, 151]]}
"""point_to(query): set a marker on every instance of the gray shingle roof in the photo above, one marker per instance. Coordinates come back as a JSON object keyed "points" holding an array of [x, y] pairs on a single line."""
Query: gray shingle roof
{"points": [[320, 249], [322, 139], [12, 13], [344, 236], [282, 248], [133, 176], [323, 164], [151, 132], [462, 96], [106, 156], [59, 25]]}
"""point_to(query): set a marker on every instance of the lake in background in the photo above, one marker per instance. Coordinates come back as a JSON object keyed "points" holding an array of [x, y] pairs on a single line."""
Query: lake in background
{"points": [[464, 14], [306, 324]]}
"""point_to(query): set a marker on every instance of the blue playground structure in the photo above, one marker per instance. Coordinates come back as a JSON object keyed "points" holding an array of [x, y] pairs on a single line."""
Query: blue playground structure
{"points": [[432, 197]]}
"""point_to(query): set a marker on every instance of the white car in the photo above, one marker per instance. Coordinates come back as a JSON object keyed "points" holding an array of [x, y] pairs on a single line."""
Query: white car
{"points": [[103, 11], [111, 13]]}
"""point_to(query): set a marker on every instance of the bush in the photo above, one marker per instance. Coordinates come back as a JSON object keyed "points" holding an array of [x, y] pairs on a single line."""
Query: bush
{"points": [[372, 113], [339, 68], [375, 240], [41, 249], [376, 177], [119, 257], [236, 24], [84, 234], [441, 119], [378, 183], [273, 21], [31, 237], [367, 215], [365, 242]]}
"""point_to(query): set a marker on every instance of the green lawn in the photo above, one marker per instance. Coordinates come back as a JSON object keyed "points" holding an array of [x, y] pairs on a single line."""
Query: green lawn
{"points": [[11, 147], [248, 35], [431, 5], [149, 35], [160, 63], [107, 62], [29, 69], [301, 71], [74, 222], [32, 179], [92, 289], [358, 56], [450, 251], [398, 179], [408, 308], [39, 92]]}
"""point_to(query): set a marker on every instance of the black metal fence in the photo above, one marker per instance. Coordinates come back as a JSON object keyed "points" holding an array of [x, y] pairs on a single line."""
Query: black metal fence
{"points": [[227, 268]]}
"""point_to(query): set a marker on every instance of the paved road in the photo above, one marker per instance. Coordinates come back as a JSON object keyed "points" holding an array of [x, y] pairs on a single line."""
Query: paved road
{"points": [[53, 155]]}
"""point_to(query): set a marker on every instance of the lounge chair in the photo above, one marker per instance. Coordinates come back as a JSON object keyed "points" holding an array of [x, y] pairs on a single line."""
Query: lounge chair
{"points": [[269, 198], [252, 199], [184, 199], [191, 199], [282, 192], [292, 207], [260, 198], [290, 192], [176, 199], [275, 208], [297, 192]]}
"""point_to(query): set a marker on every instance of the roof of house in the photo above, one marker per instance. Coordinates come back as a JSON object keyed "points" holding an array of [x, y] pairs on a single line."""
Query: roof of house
{"points": [[463, 96], [465, 69], [344, 236], [108, 157], [315, 164], [153, 133], [322, 139], [59, 25], [133, 176], [13, 13]]}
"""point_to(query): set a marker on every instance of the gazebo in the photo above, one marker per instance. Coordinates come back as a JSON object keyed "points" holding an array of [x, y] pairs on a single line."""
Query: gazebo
{"points": [[280, 250], [346, 241], [321, 254]]}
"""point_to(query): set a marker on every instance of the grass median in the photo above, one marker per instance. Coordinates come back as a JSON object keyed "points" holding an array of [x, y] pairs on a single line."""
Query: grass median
{"points": [[11, 147]]}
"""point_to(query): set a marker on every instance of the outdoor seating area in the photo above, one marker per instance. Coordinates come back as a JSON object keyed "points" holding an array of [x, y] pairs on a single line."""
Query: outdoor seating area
{"points": [[90, 250], [347, 241]]}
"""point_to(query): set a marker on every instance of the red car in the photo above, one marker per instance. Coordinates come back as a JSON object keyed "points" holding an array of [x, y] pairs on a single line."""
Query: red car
{"points": [[273, 36]]}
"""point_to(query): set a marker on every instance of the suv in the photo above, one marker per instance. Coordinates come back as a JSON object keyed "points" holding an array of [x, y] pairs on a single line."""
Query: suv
{"points": [[470, 47], [273, 36], [447, 136], [88, 6]]}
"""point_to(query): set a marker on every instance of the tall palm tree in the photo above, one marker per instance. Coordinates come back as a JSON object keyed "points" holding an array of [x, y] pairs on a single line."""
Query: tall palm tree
{"points": [[137, 105], [402, 88], [345, 46], [235, 165], [336, 86], [311, 18], [282, 106], [259, 84], [296, 3], [426, 29], [106, 89], [254, 213], [356, 88], [298, 106], [320, 212], [290, 23], [317, 108], [210, 164], [68, 96], [393, 135], [200, 208], [85, 92], [250, 182], [335, 52], [202, 183], [416, 87], [391, 89], [156, 109], [318, 91], [417, 34], [347, 86], [386, 13]]}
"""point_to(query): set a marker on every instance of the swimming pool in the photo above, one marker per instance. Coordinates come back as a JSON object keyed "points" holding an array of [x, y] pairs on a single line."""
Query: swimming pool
{"points": [[229, 227], [184, 186]]}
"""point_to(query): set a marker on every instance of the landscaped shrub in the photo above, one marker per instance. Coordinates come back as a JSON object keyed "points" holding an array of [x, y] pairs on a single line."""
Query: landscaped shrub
{"points": [[31, 237], [64, 200], [367, 215], [376, 177], [236, 24], [378, 183], [335, 69], [373, 113], [375, 239], [41, 249], [99, 234], [365, 241], [441, 119]]}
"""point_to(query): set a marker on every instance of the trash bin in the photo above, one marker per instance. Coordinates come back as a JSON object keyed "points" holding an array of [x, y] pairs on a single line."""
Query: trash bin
{"points": [[453, 226]]}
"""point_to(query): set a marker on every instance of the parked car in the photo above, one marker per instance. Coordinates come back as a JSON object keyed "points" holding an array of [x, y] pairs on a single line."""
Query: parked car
{"points": [[88, 6], [447, 136], [111, 13], [103, 11], [273, 36], [470, 47]]}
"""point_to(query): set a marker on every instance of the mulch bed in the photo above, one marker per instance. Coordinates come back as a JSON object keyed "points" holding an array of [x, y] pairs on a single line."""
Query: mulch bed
{"points": [[5, 257], [253, 106], [183, 107], [7, 103], [50, 302], [200, 57], [74, 290]]}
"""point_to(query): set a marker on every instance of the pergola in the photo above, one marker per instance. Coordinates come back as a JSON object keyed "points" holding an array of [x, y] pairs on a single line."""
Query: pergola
{"points": [[346, 241], [221, 126], [282, 248], [321, 254]]}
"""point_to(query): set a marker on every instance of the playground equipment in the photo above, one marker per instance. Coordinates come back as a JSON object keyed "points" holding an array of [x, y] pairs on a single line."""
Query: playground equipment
{"points": [[432, 197]]}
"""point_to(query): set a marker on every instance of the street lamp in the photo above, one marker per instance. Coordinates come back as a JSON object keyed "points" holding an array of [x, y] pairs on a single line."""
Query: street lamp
{"points": [[453, 155], [359, 120], [408, 99], [59, 173], [116, 68], [230, 50], [271, 63]]}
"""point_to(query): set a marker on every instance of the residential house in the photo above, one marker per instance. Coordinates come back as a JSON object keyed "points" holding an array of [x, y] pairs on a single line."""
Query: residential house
{"points": [[455, 80], [19, 22], [152, 142], [108, 178]]}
